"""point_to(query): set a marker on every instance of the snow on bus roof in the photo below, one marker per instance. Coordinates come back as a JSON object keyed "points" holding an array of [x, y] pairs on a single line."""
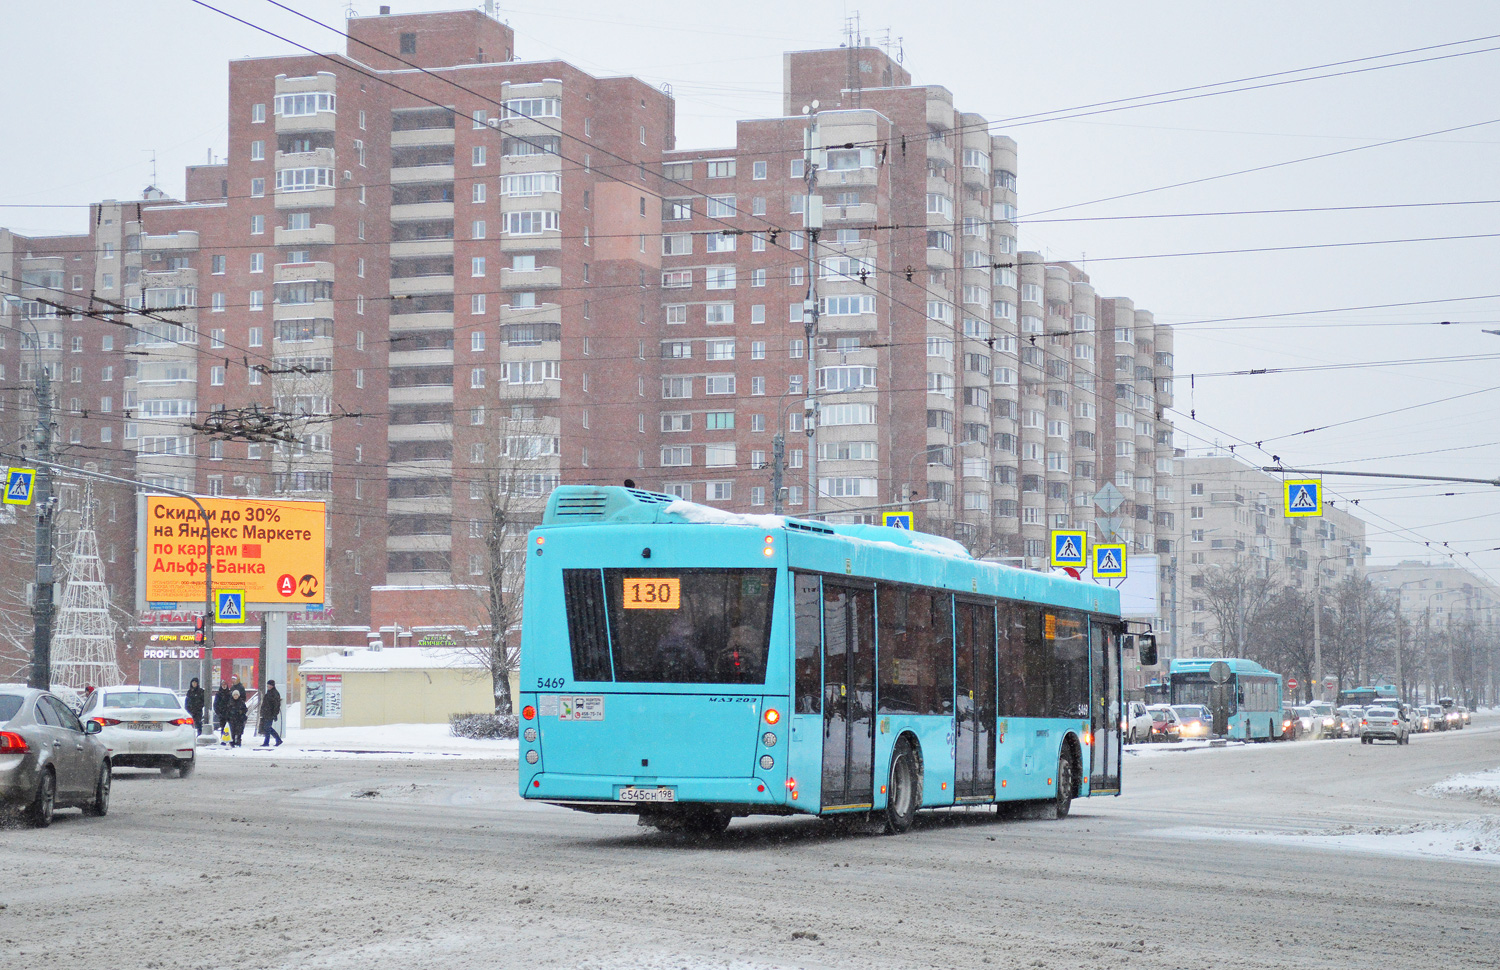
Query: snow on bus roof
{"points": [[876, 534], [703, 514]]}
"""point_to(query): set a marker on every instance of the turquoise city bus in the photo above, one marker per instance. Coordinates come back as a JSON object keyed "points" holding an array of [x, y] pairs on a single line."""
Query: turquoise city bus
{"points": [[1254, 697], [690, 666]]}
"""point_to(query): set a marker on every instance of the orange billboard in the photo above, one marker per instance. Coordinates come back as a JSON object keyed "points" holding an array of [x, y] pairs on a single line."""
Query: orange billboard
{"points": [[270, 548]]}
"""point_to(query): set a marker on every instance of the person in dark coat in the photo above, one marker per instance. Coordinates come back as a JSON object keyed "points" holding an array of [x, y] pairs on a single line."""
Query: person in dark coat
{"points": [[221, 709], [194, 705], [239, 712], [270, 707]]}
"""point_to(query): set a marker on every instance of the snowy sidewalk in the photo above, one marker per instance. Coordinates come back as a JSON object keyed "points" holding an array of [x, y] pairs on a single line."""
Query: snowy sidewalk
{"points": [[383, 741]]}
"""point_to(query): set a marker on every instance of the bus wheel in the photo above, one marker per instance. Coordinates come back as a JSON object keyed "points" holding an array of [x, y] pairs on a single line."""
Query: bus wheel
{"points": [[708, 822], [1063, 799], [903, 794]]}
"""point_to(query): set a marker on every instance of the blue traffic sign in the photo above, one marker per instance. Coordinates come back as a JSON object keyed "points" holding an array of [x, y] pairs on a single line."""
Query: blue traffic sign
{"points": [[20, 484], [896, 520], [1069, 547], [1303, 498], [1109, 561], [229, 606]]}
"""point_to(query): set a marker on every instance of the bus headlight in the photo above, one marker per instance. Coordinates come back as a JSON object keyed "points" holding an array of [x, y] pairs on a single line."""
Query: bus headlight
{"points": [[767, 762], [531, 757], [531, 735], [768, 739]]}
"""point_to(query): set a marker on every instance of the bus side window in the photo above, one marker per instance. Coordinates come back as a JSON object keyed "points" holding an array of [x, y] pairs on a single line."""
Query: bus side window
{"points": [[808, 606]]}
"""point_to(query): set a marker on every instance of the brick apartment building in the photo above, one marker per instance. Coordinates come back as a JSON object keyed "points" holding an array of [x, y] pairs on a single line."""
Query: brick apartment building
{"points": [[456, 275]]}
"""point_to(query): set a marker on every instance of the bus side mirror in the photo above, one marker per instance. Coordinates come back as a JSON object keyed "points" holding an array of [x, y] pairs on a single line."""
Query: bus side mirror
{"points": [[1146, 642]]}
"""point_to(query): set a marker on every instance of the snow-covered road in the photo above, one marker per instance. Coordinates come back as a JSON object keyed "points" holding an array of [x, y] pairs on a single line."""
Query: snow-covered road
{"points": [[1309, 855]]}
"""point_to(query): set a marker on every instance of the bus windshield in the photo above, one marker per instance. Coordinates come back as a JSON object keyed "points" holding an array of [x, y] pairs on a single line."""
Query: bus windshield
{"points": [[670, 626]]}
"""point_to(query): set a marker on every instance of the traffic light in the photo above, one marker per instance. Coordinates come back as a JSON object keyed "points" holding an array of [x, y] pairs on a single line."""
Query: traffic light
{"points": [[199, 628]]}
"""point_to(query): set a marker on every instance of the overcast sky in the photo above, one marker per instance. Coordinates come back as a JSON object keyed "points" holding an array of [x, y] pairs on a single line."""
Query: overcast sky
{"points": [[94, 88]]}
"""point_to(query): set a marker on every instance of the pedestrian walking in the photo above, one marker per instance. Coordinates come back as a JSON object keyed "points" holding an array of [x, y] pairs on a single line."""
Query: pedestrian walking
{"points": [[221, 710], [239, 712], [270, 707], [194, 705]]}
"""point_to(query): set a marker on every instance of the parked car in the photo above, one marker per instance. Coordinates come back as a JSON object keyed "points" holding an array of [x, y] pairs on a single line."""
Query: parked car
{"points": [[1164, 725], [48, 759], [1383, 724], [144, 727], [1193, 720], [1136, 725], [1291, 725]]}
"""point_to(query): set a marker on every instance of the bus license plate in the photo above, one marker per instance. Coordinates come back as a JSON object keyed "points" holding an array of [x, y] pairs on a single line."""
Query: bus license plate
{"points": [[648, 795]]}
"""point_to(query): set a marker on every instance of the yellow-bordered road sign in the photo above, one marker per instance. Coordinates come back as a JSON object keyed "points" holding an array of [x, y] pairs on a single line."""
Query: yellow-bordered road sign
{"points": [[20, 485], [229, 606], [1303, 497], [896, 520], [1070, 548], [1109, 561]]}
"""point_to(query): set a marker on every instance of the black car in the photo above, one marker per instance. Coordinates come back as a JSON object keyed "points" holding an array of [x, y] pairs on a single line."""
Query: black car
{"points": [[1291, 725]]}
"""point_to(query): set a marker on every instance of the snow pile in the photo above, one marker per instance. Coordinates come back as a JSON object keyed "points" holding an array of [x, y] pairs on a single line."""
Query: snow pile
{"points": [[1474, 839], [416, 740], [705, 515], [394, 658], [1483, 785]]}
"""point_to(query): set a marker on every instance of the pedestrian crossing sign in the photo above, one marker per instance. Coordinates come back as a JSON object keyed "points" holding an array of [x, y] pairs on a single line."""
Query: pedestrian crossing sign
{"points": [[1304, 498], [1109, 561], [1069, 547], [229, 606], [20, 484], [896, 520]]}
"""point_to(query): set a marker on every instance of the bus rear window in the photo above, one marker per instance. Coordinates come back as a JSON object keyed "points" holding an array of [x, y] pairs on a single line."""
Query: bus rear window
{"points": [[689, 626]]}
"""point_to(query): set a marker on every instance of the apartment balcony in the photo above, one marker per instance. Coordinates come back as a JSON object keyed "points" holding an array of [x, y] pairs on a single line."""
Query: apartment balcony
{"points": [[422, 173], [324, 82], [301, 272], [169, 277], [421, 136], [427, 505], [863, 212], [422, 211], [182, 241], [421, 285], [442, 543], [401, 321], [315, 199], [421, 358], [317, 158], [541, 313], [426, 394], [542, 242], [854, 178], [419, 432], [319, 235], [422, 247], [543, 277]]}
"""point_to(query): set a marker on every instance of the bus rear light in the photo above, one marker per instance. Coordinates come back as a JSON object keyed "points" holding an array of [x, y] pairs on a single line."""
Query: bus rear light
{"points": [[531, 735], [767, 762], [945, 786], [1002, 782], [528, 713], [768, 739], [1049, 781], [531, 757], [769, 551], [882, 789], [772, 715], [760, 787], [537, 783], [791, 784]]}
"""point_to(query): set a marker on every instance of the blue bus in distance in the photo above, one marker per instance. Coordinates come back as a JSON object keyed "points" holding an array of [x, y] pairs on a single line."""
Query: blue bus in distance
{"points": [[690, 666], [1254, 696]]}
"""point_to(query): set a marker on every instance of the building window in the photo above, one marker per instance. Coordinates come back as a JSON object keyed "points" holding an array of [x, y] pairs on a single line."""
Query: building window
{"points": [[257, 151], [408, 43], [257, 225]]}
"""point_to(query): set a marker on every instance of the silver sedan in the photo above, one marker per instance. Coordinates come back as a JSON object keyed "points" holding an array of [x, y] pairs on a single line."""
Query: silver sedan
{"points": [[48, 758]]}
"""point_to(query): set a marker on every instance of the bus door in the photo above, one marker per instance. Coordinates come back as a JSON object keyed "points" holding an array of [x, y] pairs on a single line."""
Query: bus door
{"points": [[1106, 708], [848, 696], [974, 752]]}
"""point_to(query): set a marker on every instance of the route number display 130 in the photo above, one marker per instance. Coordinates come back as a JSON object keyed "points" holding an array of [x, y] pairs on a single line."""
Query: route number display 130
{"points": [[647, 593]]}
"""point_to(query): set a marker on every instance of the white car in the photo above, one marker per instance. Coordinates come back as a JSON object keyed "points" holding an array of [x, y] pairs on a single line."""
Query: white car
{"points": [[144, 727], [1136, 725]]}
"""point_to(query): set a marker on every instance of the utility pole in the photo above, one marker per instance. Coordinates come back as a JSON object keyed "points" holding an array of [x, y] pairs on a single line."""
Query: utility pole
{"points": [[1317, 628], [778, 462], [812, 221], [41, 603]]}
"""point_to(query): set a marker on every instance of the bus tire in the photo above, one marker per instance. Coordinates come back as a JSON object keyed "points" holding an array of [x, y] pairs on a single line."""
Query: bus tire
{"points": [[1062, 798], [904, 791]]}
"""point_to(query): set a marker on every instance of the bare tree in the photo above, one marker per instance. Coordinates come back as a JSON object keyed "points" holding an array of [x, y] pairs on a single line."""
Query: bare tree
{"points": [[1240, 596]]}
